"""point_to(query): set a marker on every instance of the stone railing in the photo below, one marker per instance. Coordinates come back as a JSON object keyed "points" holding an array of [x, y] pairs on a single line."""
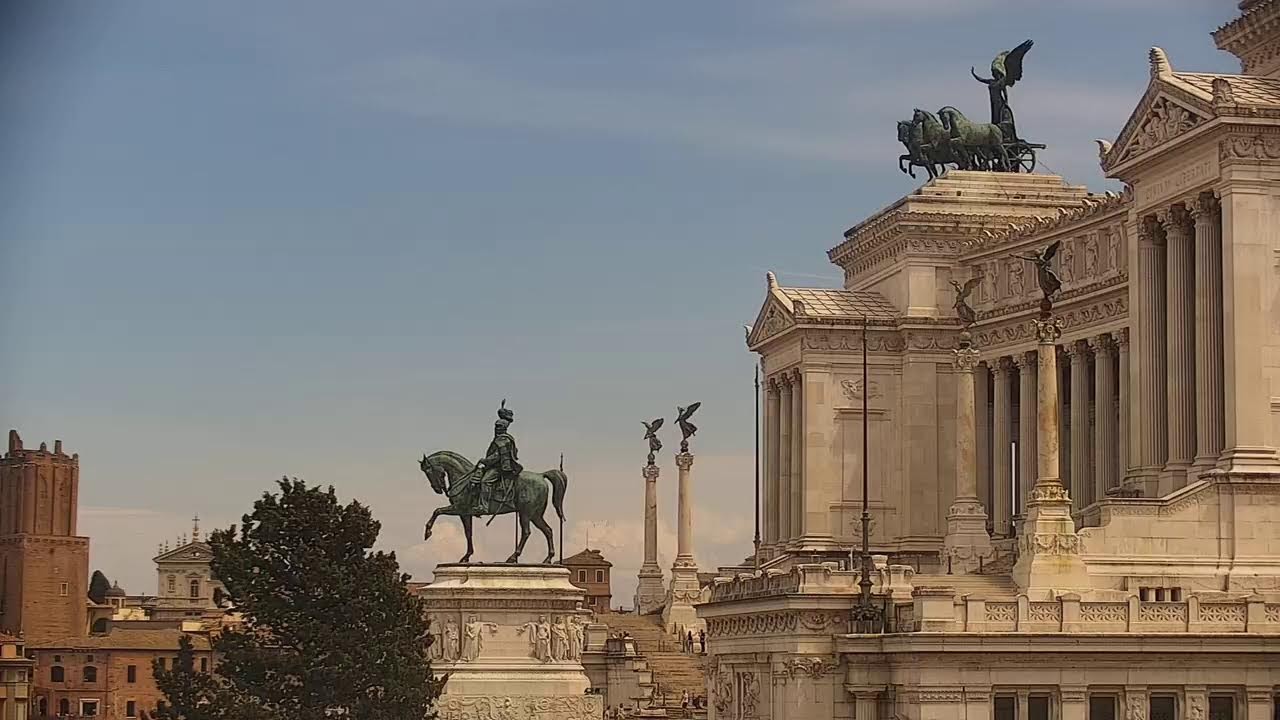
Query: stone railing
{"points": [[938, 609], [813, 579]]}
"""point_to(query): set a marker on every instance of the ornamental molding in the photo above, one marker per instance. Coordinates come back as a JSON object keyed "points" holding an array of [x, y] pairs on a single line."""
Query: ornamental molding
{"points": [[853, 389], [1049, 544], [520, 707], [814, 667], [1000, 338], [791, 622]]}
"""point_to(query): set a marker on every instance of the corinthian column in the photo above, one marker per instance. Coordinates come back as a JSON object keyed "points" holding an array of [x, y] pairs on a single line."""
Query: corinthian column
{"points": [[771, 409], [1208, 279], [649, 589], [1026, 363], [966, 542], [1081, 475], [784, 460], [678, 614], [797, 455], [1151, 409], [1104, 403], [982, 438], [1001, 449], [1124, 451], [684, 510], [1180, 340]]}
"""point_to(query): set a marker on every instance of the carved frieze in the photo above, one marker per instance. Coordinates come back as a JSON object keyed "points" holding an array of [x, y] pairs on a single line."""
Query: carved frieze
{"points": [[788, 622], [853, 389], [520, 707], [1164, 121], [810, 666]]}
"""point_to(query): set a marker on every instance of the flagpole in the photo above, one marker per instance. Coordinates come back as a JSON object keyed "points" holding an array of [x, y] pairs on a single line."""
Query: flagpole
{"points": [[757, 468]]}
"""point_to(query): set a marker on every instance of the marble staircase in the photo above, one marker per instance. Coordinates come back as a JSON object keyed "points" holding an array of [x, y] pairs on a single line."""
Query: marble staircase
{"points": [[674, 671]]}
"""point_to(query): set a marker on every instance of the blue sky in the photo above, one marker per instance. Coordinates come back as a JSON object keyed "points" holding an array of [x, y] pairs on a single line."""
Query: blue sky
{"points": [[245, 239]]}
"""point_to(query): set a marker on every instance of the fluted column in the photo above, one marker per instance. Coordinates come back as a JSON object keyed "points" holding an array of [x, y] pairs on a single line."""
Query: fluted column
{"points": [[982, 431], [1180, 341], [1104, 403], [1208, 280], [1081, 470], [1001, 460], [784, 459], [1124, 450], [1152, 402], [966, 543], [684, 509], [771, 409], [649, 588], [1026, 363], [797, 455]]}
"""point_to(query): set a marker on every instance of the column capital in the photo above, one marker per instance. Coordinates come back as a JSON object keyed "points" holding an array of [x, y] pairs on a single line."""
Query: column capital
{"points": [[966, 359], [651, 472], [684, 460], [771, 385], [1024, 360], [797, 375], [1101, 345], [784, 381], [1147, 230], [1202, 207], [1121, 338], [1004, 365], [1077, 351], [1048, 331]]}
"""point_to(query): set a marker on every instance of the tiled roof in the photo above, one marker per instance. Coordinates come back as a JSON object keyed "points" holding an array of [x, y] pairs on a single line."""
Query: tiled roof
{"points": [[848, 304], [126, 639], [1249, 90], [588, 557]]}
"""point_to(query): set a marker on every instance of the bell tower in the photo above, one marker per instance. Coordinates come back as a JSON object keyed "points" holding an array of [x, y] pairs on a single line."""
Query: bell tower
{"points": [[44, 565]]}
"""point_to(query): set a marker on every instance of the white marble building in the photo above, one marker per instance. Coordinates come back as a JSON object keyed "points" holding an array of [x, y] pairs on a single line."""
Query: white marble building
{"points": [[1150, 589]]}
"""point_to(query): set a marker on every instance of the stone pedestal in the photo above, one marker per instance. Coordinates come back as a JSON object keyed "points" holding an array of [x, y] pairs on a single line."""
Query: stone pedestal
{"points": [[510, 638], [1048, 549], [678, 615], [967, 543], [650, 592]]}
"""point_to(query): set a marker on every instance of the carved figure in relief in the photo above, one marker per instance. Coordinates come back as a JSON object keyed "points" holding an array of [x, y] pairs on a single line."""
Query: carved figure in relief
{"points": [[1091, 256], [539, 638], [1068, 262], [750, 695], [1017, 284], [473, 637], [437, 639], [1113, 250], [450, 649], [577, 636], [559, 640], [723, 693]]}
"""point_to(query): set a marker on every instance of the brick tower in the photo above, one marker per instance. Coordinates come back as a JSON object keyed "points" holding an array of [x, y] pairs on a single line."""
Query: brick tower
{"points": [[44, 565]]}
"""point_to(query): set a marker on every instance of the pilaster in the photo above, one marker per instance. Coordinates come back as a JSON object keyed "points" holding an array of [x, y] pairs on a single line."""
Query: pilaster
{"points": [[816, 436], [771, 485], [1026, 363], [1081, 461], [785, 424], [982, 430], [1125, 449], [966, 542], [1104, 393], [1150, 407]]}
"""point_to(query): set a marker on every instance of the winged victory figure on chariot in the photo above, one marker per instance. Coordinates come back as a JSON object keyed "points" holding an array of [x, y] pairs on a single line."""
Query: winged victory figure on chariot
{"points": [[935, 141]]}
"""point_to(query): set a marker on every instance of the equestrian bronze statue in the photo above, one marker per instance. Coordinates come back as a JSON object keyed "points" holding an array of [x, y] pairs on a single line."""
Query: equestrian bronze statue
{"points": [[496, 485]]}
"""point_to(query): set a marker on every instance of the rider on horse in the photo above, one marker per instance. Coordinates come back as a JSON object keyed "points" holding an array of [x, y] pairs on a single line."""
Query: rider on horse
{"points": [[501, 463]]}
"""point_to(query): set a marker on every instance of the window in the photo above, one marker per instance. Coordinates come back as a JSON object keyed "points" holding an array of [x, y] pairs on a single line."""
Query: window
{"points": [[1102, 707], [90, 674], [64, 589], [195, 588], [162, 661], [582, 576], [131, 709], [591, 601], [42, 706], [1006, 708], [204, 664], [1038, 707], [88, 658], [173, 583], [64, 707], [599, 576], [131, 674], [57, 674], [1163, 707], [89, 708], [1222, 707]]}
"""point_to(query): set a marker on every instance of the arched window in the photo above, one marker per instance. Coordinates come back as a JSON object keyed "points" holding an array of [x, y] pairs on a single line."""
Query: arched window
{"points": [[64, 707], [42, 706], [195, 588], [90, 674], [57, 674]]}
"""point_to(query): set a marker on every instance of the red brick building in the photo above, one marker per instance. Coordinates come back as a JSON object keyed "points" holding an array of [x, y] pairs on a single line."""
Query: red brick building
{"points": [[44, 565], [590, 571], [107, 675]]}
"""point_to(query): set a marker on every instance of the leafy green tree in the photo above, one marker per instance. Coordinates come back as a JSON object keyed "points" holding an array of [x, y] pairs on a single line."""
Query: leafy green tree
{"points": [[189, 694], [98, 587], [330, 628]]}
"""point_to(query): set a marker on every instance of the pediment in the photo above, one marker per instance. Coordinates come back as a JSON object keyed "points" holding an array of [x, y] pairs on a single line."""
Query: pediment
{"points": [[1174, 105], [774, 318], [191, 552]]}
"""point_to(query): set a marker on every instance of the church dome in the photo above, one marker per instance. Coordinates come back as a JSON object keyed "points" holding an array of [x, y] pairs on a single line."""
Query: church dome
{"points": [[116, 591]]}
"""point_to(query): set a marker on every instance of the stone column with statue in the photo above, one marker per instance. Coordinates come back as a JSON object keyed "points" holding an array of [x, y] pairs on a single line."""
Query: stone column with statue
{"points": [[967, 543], [649, 589], [678, 614], [1048, 549]]}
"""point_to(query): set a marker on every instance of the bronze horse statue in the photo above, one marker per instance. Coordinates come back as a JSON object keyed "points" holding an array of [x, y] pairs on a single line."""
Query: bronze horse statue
{"points": [[454, 476]]}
